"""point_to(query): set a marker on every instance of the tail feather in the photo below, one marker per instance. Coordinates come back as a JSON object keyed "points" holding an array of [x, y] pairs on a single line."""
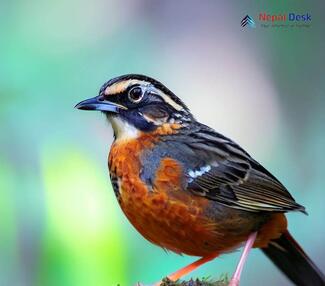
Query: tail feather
{"points": [[287, 254]]}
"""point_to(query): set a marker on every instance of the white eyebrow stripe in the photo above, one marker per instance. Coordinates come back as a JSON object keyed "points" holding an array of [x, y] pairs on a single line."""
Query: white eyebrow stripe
{"points": [[171, 102], [119, 87]]}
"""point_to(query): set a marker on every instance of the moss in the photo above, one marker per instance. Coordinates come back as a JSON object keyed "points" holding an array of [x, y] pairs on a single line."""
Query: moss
{"points": [[197, 282]]}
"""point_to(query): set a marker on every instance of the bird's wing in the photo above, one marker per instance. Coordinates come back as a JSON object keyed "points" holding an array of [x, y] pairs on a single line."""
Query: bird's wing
{"points": [[229, 175]]}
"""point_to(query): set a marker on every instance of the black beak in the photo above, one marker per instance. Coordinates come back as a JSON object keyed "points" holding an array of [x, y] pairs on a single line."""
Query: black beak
{"points": [[99, 103]]}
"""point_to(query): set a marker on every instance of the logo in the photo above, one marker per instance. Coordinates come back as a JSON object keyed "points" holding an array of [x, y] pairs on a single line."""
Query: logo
{"points": [[280, 20], [247, 21], [285, 17]]}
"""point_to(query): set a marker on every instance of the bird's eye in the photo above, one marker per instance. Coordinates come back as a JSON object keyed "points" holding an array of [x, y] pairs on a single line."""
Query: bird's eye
{"points": [[135, 94]]}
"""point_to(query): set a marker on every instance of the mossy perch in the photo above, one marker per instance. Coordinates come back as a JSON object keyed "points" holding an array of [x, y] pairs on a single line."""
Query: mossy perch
{"points": [[197, 282], [223, 281]]}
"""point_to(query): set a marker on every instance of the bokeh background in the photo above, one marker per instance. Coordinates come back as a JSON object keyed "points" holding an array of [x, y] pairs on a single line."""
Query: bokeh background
{"points": [[59, 221]]}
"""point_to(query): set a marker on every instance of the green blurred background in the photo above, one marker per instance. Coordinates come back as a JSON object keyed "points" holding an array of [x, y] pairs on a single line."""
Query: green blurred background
{"points": [[59, 221]]}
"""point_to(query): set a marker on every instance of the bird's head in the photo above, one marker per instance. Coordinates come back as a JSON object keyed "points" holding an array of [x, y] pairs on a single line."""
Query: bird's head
{"points": [[136, 103]]}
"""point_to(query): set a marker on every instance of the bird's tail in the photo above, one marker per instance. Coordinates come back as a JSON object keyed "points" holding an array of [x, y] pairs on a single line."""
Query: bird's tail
{"points": [[287, 254]]}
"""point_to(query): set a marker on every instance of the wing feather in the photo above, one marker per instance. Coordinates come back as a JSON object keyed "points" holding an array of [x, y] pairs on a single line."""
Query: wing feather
{"points": [[233, 178]]}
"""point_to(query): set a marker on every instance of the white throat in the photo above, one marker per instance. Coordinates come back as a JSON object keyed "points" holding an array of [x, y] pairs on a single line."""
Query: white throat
{"points": [[122, 129]]}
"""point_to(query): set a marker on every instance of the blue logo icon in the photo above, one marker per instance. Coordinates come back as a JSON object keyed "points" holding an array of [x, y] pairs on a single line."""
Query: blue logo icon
{"points": [[248, 21]]}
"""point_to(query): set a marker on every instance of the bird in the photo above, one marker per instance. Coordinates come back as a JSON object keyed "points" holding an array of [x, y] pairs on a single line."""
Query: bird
{"points": [[191, 190]]}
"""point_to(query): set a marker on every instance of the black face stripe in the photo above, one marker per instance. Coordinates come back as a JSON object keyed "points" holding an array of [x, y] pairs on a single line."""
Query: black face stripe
{"points": [[158, 85]]}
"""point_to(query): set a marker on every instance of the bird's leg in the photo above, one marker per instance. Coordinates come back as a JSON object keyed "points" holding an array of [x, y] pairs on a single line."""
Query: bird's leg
{"points": [[235, 278], [248, 246], [189, 268]]}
